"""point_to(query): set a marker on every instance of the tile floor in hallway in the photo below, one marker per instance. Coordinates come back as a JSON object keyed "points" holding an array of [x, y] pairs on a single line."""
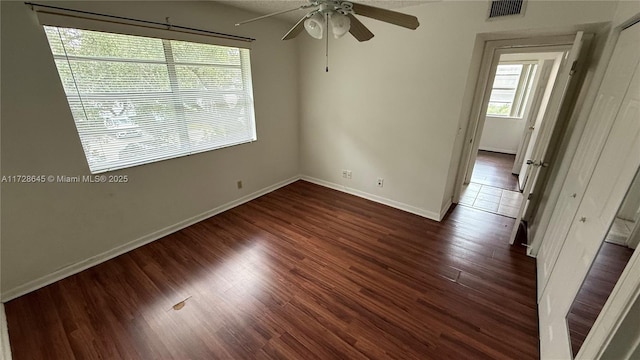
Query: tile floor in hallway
{"points": [[491, 199]]}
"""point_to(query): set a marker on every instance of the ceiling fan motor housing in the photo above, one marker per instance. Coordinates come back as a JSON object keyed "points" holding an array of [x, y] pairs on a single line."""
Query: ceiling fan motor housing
{"points": [[338, 17]]}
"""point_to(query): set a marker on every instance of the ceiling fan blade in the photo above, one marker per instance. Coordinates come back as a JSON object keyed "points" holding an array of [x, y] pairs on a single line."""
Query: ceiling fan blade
{"points": [[358, 30], [274, 14], [296, 29], [393, 17]]}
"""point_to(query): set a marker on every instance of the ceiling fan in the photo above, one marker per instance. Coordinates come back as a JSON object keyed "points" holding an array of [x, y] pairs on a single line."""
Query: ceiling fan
{"points": [[338, 16]]}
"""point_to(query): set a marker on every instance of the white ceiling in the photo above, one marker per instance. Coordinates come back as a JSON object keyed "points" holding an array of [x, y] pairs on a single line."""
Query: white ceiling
{"points": [[270, 6]]}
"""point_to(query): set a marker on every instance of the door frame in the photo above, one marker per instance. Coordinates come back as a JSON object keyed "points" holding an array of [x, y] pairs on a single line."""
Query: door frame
{"points": [[480, 98]]}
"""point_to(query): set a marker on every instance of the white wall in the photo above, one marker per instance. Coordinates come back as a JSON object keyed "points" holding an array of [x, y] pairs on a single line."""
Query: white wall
{"points": [[394, 107], [502, 134], [47, 227]]}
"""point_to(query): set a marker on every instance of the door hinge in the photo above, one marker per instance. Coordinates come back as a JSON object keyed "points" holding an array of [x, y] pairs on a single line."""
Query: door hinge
{"points": [[537, 163], [573, 68]]}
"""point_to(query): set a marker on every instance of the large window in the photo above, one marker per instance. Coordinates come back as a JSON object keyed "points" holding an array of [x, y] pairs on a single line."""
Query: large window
{"points": [[137, 100], [511, 89]]}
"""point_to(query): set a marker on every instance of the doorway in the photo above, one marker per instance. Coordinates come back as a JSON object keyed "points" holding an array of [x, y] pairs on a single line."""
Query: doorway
{"points": [[519, 94], [552, 105]]}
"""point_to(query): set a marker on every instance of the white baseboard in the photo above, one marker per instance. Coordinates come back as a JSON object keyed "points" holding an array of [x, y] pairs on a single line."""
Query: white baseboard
{"points": [[444, 209], [110, 254], [616, 241], [503, 151], [375, 198], [5, 347]]}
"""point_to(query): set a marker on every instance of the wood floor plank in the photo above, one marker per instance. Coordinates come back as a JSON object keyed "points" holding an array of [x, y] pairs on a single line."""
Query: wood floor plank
{"points": [[494, 169], [303, 272]]}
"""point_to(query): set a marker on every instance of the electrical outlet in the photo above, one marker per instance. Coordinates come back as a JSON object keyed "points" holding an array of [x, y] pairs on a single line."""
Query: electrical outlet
{"points": [[239, 184], [380, 182], [345, 174], [348, 174]]}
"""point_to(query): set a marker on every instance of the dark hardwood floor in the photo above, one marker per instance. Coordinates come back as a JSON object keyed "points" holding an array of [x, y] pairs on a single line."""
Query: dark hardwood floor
{"points": [[304, 272], [494, 169], [594, 292]]}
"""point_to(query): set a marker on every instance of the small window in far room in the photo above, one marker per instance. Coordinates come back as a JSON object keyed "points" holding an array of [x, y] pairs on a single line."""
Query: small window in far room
{"points": [[137, 100], [511, 89]]}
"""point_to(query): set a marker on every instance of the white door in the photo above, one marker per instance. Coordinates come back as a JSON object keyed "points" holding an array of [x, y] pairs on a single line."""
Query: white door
{"points": [[530, 114], [608, 100], [552, 110], [613, 174], [535, 117]]}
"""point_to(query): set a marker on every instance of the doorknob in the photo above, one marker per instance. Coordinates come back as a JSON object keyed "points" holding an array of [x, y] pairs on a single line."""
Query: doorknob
{"points": [[573, 195], [531, 127], [583, 219]]}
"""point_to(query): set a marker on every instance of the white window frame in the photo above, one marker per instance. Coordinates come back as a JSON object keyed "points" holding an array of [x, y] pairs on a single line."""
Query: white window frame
{"points": [[522, 90], [176, 93]]}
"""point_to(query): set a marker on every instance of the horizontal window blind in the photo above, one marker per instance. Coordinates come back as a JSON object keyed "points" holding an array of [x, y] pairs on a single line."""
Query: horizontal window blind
{"points": [[511, 88], [137, 100]]}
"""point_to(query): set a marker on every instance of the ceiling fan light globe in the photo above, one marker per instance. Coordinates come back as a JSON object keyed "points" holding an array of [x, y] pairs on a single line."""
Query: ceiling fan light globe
{"points": [[315, 26], [340, 24]]}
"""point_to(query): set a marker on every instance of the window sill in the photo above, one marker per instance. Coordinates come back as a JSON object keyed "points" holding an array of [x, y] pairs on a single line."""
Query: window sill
{"points": [[504, 117]]}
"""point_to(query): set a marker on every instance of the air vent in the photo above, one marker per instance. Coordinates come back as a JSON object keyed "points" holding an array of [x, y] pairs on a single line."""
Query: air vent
{"points": [[499, 8]]}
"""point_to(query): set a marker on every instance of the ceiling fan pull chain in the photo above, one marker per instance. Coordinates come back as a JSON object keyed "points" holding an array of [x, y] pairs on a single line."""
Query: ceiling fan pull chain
{"points": [[326, 17]]}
